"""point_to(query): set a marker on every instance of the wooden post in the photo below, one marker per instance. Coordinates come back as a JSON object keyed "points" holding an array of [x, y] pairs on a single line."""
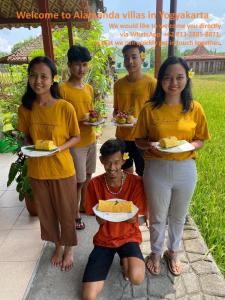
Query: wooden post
{"points": [[172, 29], [46, 29], [158, 38], [70, 32]]}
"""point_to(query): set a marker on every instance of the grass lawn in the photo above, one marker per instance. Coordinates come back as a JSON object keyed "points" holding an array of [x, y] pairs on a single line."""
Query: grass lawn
{"points": [[208, 204]]}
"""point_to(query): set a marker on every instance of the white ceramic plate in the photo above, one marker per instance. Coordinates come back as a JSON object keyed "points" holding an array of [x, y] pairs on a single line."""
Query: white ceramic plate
{"points": [[115, 217], [183, 146], [124, 125], [31, 152], [95, 123]]}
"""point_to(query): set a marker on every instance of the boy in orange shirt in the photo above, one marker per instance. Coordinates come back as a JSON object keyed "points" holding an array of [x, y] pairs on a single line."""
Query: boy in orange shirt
{"points": [[130, 94], [114, 237], [81, 95]]}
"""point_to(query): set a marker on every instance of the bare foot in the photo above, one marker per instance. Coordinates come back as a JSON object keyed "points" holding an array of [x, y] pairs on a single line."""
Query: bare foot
{"points": [[67, 263], [57, 256]]}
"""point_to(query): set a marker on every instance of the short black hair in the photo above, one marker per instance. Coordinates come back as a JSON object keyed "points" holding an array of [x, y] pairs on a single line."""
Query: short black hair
{"points": [[133, 44], [112, 146], [186, 95], [78, 53]]}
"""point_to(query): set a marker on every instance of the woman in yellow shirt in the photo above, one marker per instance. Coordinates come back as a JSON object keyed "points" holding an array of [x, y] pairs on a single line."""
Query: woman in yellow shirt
{"points": [[44, 116], [170, 179]]}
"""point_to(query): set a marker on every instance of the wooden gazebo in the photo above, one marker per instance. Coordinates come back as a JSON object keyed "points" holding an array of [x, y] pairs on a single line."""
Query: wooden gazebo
{"points": [[204, 62]]}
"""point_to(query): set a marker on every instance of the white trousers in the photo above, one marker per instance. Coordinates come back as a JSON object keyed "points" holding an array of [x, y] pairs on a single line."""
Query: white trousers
{"points": [[169, 186]]}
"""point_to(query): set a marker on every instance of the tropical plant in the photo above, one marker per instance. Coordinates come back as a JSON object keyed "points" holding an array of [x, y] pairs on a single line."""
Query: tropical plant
{"points": [[18, 172]]}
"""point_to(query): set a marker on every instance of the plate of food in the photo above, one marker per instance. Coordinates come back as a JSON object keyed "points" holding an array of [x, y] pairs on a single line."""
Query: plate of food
{"points": [[41, 148], [115, 210], [173, 145], [92, 118], [96, 123], [123, 119]]}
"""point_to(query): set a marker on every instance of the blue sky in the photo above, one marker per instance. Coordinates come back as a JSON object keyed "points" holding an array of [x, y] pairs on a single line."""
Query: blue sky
{"points": [[216, 8]]}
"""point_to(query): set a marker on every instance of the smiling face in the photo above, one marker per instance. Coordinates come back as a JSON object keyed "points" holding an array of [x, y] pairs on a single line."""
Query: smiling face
{"points": [[78, 69], [112, 164], [132, 60], [40, 79], [174, 81]]}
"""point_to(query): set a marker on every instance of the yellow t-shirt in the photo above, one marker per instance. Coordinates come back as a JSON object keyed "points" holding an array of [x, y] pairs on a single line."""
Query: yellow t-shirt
{"points": [[168, 120], [82, 101], [130, 97], [58, 123]]}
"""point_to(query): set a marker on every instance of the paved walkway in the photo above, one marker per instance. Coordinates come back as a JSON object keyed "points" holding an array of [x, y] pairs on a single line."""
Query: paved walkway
{"points": [[200, 279], [20, 243]]}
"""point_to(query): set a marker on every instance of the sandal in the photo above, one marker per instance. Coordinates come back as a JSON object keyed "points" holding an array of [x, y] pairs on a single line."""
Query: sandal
{"points": [[79, 224], [172, 262], [155, 259]]}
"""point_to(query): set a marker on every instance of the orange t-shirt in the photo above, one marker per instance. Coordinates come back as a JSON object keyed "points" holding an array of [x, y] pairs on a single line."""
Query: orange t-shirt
{"points": [[116, 234]]}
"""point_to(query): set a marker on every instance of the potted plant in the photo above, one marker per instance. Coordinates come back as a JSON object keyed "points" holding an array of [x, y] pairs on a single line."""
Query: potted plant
{"points": [[18, 172]]}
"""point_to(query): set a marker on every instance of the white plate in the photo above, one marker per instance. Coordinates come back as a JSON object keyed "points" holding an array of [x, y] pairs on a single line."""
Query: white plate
{"points": [[124, 125], [183, 146], [31, 152], [115, 217], [94, 123]]}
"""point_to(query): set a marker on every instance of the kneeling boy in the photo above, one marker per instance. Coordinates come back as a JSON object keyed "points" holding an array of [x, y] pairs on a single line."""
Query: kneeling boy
{"points": [[120, 237]]}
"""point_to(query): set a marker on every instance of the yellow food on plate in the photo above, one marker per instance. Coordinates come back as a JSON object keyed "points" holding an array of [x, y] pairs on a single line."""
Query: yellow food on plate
{"points": [[121, 120], [130, 119], [92, 120], [86, 116], [168, 142], [44, 145], [115, 206]]}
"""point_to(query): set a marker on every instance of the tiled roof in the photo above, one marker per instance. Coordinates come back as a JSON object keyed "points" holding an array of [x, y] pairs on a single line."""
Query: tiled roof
{"points": [[21, 56], [201, 53]]}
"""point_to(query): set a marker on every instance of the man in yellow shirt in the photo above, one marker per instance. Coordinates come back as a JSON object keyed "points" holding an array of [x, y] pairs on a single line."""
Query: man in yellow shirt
{"points": [[80, 95], [130, 94]]}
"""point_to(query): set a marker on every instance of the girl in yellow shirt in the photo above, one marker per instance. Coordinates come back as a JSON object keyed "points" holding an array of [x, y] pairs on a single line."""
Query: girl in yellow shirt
{"points": [[44, 116], [170, 179]]}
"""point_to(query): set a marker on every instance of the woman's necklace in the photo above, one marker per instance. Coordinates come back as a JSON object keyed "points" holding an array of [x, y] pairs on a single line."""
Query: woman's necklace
{"points": [[123, 177]]}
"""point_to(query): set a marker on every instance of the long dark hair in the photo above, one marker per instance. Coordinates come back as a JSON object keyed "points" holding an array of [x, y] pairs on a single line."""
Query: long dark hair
{"points": [[186, 95], [29, 97]]}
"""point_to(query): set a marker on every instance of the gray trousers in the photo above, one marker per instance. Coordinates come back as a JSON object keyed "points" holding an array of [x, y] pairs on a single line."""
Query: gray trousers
{"points": [[169, 186]]}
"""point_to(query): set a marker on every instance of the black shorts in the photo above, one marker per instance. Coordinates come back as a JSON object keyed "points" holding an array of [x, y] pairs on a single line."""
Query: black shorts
{"points": [[136, 155], [101, 258]]}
